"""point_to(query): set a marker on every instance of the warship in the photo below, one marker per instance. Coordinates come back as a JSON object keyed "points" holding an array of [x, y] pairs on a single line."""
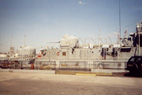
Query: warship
{"points": [[71, 55]]}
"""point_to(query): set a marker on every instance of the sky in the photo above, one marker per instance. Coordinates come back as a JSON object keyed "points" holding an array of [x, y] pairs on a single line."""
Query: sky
{"points": [[45, 21]]}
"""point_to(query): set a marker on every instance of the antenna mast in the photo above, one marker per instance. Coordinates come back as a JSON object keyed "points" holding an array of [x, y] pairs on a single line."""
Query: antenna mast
{"points": [[11, 40], [119, 19], [25, 41]]}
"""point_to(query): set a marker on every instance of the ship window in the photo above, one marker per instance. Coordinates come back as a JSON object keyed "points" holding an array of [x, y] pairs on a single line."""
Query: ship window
{"points": [[125, 49], [63, 53], [129, 39], [132, 59]]}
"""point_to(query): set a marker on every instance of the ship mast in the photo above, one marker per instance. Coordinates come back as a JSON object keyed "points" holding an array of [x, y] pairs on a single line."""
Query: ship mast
{"points": [[24, 40], [119, 20], [11, 40]]}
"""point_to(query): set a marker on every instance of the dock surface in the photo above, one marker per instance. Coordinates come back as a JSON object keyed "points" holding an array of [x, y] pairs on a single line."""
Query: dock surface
{"points": [[17, 83]]}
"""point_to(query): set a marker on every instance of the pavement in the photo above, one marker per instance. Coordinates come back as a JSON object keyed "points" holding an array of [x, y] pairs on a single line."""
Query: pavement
{"points": [[21, 83]]}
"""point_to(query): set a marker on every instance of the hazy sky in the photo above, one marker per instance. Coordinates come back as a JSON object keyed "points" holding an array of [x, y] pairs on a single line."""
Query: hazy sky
{"points": [[48, 20]]}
